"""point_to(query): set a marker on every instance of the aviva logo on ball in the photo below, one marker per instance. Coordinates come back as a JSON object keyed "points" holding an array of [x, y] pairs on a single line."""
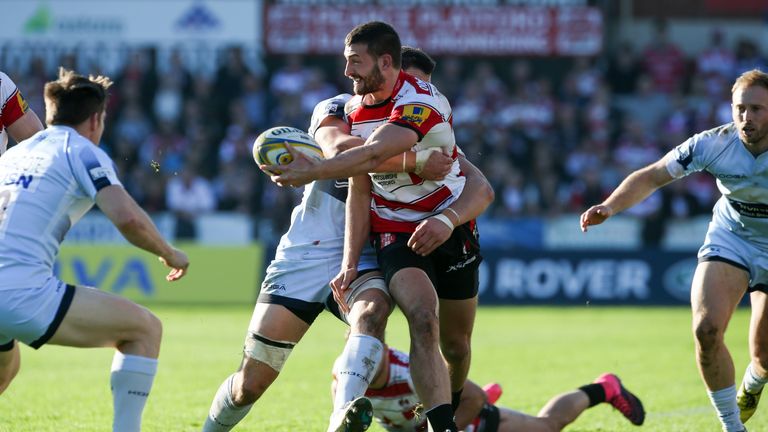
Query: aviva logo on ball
{"points": [[269, 147]]}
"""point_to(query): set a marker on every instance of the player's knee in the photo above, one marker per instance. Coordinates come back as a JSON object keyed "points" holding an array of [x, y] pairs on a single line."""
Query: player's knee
{"points": [[708, 333], [425, 326], [250, 389], [456, 350], [273, 353], [152, 328], [371, 318]]}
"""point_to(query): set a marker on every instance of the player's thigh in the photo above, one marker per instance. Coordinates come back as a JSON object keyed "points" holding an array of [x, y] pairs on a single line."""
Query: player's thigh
{"points": [[99, 319], [716, 290], [515, 421], [10, 359], [277, 322], [409, 277], [413, 292], [273, 332]]}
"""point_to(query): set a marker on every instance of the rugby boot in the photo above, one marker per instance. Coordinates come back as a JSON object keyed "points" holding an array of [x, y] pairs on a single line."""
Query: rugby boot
{"points": [[622, 399], [356, 416], [493, 392], [747, 402]]}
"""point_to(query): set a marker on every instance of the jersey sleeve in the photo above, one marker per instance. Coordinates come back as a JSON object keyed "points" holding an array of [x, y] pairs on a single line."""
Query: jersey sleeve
{"points": [[13, 104], [93, 169], [417, 115], [693, 155], [333, 107]]}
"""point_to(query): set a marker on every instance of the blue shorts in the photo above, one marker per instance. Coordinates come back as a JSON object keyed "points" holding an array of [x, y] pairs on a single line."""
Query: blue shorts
{"points": [[720, 244], [32, 315]]}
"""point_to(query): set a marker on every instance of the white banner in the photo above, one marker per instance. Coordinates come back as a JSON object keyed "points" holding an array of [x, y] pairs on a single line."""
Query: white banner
{"points": [[132, 21]]}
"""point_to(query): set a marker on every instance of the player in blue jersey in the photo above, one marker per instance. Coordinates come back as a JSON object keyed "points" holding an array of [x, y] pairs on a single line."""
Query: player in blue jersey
{"points": [[47, 183], [734, 257]]}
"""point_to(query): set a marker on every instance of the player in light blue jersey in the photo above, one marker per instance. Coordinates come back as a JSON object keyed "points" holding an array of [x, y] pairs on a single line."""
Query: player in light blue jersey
{"points": [[47, 183], [734, 257]]}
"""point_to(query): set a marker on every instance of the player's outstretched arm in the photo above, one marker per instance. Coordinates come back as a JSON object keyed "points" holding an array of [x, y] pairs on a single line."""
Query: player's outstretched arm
{"points": [[635, 188], [139, 229], [357, 228], [387, 141], [26, 126]]}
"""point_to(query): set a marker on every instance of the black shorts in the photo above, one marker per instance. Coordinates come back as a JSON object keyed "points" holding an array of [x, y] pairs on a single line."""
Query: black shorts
{"points": [[453, 267]]}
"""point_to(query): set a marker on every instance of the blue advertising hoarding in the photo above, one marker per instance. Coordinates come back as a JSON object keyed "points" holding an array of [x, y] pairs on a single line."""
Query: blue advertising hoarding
{"points": [[595, 277]]}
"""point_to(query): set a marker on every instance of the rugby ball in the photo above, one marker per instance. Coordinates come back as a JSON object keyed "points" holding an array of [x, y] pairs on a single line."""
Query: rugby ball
{"points": [[269, 147]]}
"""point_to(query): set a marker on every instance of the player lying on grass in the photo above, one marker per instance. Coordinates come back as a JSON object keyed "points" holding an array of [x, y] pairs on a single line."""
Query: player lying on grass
{"points": [[397, 408]]}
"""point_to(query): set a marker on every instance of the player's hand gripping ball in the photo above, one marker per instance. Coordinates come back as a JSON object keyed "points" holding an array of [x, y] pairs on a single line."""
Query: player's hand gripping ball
{"points": [[269, 147]]}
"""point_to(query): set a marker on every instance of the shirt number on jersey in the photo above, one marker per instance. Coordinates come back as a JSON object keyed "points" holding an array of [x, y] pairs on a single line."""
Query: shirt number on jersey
{"points": [[5, 204], [5, 200]]}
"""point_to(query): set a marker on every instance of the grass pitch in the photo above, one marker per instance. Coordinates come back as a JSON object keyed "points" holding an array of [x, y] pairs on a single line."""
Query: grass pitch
{"points": [[533, 352]]}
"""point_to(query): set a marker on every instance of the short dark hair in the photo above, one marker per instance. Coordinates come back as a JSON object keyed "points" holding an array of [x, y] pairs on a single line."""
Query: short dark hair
{"points": [[414, 57], [754, 77], [380, 38], [72, 98]]}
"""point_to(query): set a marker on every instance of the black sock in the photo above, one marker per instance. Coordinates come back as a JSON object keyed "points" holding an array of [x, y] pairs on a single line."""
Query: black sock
{"points": [[441, 419], [455, 399], [595, 393]]}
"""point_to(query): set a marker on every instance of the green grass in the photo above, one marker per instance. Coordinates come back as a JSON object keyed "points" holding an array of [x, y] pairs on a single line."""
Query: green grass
{"points": [[533, 352]]}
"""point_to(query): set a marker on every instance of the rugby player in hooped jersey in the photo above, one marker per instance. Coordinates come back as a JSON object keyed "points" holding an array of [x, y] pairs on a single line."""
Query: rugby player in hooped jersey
{"points": [[309, 254], [16, 118], [426, 242], [734, 257], [397, 408]]}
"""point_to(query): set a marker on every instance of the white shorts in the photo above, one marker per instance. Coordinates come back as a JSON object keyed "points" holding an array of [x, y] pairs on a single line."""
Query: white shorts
{"points": [[32, 315], [720, 244], [301, 285]]}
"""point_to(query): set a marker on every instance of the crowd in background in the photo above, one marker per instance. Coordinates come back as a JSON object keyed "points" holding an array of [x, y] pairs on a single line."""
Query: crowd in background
{"points": [[550, 143]]}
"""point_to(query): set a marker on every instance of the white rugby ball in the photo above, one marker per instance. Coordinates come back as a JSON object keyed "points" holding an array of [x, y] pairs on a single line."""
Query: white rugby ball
{"points": [[269, 147]]}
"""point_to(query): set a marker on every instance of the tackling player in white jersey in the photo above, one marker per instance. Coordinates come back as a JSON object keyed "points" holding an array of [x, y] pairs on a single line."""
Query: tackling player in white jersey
{"points": [[397, 408], [16, 118], [47, 183], [400, 113], [734, 257]]}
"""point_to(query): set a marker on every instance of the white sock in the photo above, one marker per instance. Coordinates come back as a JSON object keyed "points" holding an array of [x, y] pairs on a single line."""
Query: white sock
{"points": [[356, 367], [753, 382], [724, 402], [131, 381], [224, 415]]}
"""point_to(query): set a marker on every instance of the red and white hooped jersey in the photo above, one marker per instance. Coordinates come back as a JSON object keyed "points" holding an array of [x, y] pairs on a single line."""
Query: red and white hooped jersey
{"points": [[401, 200], [12, 107], [394, 406]]}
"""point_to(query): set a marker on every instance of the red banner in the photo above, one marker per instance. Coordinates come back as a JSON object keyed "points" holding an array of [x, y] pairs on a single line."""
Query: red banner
{"points": [[460, 30]]}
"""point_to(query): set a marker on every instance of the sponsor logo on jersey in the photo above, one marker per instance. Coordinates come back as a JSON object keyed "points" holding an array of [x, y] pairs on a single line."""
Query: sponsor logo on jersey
{"points": [[22, 103], [416, 114], [98, 172], [730, 176]]}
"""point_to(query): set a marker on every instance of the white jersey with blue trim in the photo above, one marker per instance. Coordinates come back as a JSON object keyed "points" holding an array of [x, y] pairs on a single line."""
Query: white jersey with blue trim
{"points": [[741, 177], [317, 223], [47, 183]]}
